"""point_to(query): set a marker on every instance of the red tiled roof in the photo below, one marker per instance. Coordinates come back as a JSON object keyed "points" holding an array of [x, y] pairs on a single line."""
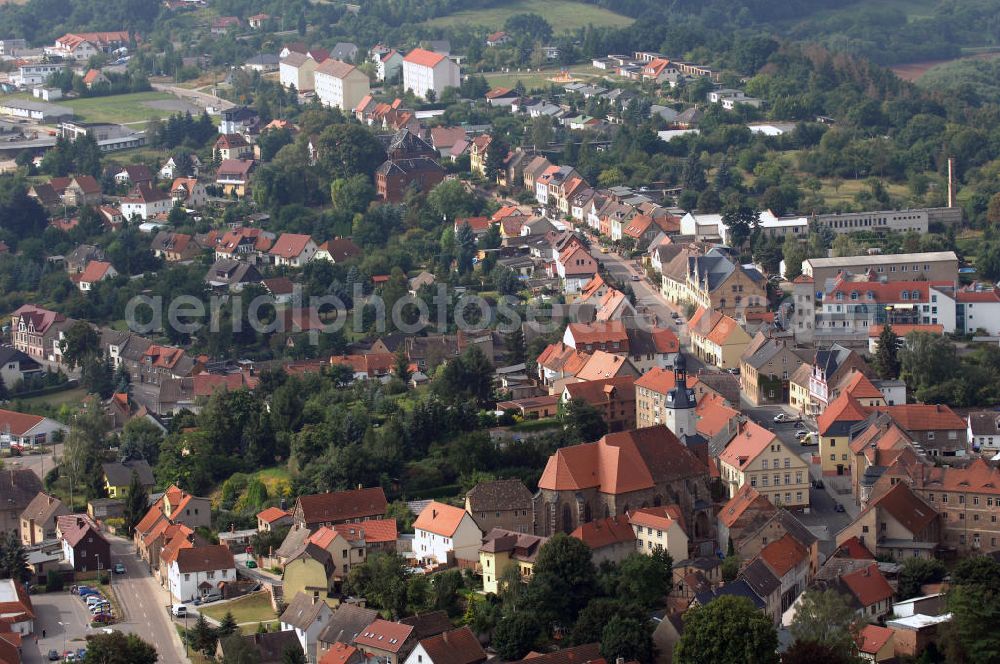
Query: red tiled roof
{"points": [[713, 413], [600, 332], [746, 445], [854, 549], [977, 296], [737, 506], [272, 514], [906, 507], [874, 331], [423, 57], [605, 532], [384, 635], [290, 245], [95, 271], [872, 638], [440, 519], [17, 424], [868, 585], [205, 559], [783, 555], [456, 646], [923, 417], [374, 531], [843, 409], [342, 505], [621, 462], [339, 653], [75, 526]]}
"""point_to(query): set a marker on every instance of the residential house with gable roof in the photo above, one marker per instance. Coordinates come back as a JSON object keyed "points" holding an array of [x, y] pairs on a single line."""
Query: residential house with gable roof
{"points": [[502, 548], [38, 520], [386, 641], [348, 620], [757, 457], [188, 192], [339, 84], [426, 71], [388, 63], [233, 175], [935, 428], [456, 646], [765, 368], [505, 504], [84, 547], [145, 201], [613, 398], [790, 563], [395, 176], [898, 523], [96, 271], [834, 426], [337, 250], [297, 70], [717, 339], [118, 476], [328, 509], [306, 615], [446, 534], [660, 528], [200, 570], [232, 146], [269, 647], [743, 514], [610, 539], [875, 445], [174, 247], [27, 430], [293, 250], [780, 523]]}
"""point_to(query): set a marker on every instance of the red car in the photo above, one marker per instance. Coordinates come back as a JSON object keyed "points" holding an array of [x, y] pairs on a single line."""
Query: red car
{"points": [[103, 618]]}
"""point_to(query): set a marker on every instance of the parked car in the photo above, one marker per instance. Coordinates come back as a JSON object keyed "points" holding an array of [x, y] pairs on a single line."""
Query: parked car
{"points": [[636, 277], [251, 564], [781, 417], [119, 568], [808, 439], [103, 607], [85, 590], [103, 618], [800, 434], [53, 655], [838, 508], [179, 610]]}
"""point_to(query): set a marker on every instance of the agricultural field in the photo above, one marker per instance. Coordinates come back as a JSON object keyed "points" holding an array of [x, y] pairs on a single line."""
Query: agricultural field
{"points": [[563, 15]]}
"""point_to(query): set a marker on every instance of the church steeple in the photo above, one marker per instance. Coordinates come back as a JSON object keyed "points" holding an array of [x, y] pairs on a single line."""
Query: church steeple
{"points": [[680, 404]]}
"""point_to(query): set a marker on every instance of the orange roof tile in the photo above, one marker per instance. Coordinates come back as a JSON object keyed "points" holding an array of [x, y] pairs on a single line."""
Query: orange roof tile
{"points": [[868, 585], [746, 445], [423, 57], [661, 518], [603, 365], [440, 519], [713, 413], [923, 417], [745, 498], [857, 385], [605, 532], [783, 555], [843, 409], [373, 531], [872, 638]]}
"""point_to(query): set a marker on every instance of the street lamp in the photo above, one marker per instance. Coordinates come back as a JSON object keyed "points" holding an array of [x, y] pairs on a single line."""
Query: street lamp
{"points": [[64, 626]]}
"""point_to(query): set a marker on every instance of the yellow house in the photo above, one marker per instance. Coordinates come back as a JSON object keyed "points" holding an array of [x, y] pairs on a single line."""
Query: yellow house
{"points": [[834, 428], [309, 570], [876, 643], [757, 457], [118, 477], [717, 339], [503, 548], [660, 528], [478, 150], [798, 388]]}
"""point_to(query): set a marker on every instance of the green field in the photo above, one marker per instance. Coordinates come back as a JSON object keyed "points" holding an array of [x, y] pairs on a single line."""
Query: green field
{"points": [[131, 108], [563, 15], [56, 399], [539, 78]]}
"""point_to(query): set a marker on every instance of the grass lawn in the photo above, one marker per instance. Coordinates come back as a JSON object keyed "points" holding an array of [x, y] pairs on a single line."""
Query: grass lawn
{"points": [[563, 15], [848, 188], [121, 108], [273, 477], [254, 608], [56, 399]]}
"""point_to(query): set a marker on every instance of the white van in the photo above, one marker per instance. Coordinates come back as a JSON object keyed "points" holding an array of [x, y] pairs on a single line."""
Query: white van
{"points": [[179, 610]]}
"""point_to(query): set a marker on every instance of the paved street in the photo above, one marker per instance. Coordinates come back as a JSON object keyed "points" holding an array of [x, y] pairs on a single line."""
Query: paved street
{"points": [[145, 604], [39, 463], [66, 622]]}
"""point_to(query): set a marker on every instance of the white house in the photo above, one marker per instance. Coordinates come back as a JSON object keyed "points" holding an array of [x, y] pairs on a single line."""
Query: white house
{"points": [[306, 615], [198, 571], [425, 70], [984, 431], [659, 528], [27, 430], [443, 532], [293, 250], [456, 646], [95, 272], [340, 84], [145, 202], [169, 171], [387, 63], [701, 226], [297, 70], [575, 266]]}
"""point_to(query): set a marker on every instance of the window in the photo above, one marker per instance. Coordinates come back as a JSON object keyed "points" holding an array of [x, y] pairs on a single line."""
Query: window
{"points": [[944, 498], [187, 577], [788, 462], [763, 464]]}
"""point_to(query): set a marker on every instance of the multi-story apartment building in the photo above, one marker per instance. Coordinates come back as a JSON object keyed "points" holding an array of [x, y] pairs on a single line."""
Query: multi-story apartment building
{"points": [[339, 84], [924, 266], [757, 457], [426, 71]]}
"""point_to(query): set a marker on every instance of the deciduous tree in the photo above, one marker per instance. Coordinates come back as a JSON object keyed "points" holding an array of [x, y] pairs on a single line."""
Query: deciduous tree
{"points": [[728, 629]]}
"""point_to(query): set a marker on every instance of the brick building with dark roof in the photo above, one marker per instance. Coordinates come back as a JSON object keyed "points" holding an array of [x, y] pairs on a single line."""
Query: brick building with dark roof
{"points": [[395, 176]]}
